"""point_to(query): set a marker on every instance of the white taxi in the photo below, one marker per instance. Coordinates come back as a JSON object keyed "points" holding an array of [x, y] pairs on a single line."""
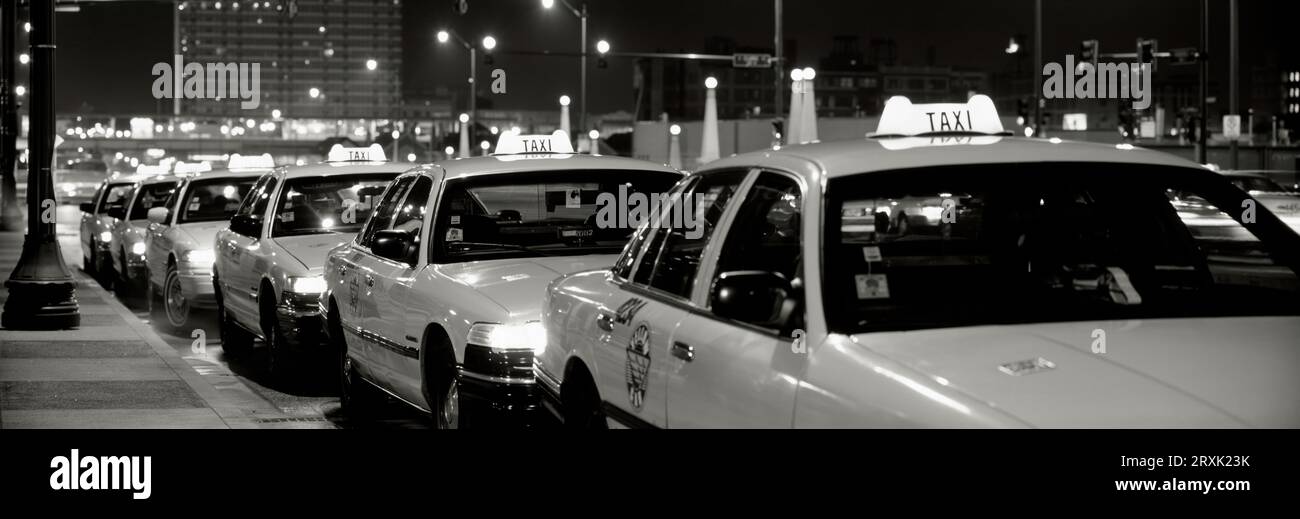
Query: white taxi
{"points": [[1055, 286], [179, 239], [268, 269], [98, 217], [127, 237], [437, 301]]}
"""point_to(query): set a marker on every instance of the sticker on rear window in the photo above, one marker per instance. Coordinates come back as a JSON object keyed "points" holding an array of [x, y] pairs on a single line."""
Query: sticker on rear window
{"points": [[872, 286], [872, 254], [455, 234], [286, 217], [455, 219], [573, 199]]}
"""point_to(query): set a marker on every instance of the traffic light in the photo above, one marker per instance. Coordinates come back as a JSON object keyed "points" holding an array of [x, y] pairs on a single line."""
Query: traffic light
{"points": [[1089, 52], [1146, 52]]}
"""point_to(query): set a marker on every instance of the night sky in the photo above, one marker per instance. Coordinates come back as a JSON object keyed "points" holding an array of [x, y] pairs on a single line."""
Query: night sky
{"points": [[106, 51]]}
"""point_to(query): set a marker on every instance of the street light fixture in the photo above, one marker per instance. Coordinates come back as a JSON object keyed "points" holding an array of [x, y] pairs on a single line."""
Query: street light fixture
{"points": [[443, 36], [565, 101], [602, 47], [489, 43], [314, 92], [711, 83], [581, 14], [371, 64]]}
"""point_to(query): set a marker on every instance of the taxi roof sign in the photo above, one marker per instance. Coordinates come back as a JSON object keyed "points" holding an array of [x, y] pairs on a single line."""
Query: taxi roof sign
{"points": [[976, 116], [263, 161], [511, 143], [374, 153]]}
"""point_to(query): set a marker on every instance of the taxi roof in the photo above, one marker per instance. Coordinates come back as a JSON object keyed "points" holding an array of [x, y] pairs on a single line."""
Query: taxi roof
{"points": [[497, 164], [229, 173], [868, 155], [328, 169]]}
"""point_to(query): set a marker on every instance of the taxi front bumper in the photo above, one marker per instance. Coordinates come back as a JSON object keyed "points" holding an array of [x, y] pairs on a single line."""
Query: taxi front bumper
{"points": [[196, 285], [497, 385], [301, 321]]}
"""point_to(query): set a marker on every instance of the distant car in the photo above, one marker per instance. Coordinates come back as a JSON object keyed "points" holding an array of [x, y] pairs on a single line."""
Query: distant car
{"points": [[128, 246], [1058, 286], [437, 302], [76, 186], [1282, 201], [179, 249], [270, 260], [98, 217]]}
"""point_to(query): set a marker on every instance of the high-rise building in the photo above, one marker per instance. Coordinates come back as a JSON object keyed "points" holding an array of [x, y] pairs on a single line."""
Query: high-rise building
{"points": [[318, 58]]}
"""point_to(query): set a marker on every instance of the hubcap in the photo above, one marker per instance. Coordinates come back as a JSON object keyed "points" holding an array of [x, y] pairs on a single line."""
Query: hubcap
{"points": [[451, 406], [178, 308]]}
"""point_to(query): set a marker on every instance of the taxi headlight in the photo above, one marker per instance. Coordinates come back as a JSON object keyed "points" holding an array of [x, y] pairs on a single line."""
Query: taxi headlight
{"points": [[138, 248], [106, 236], [529, 335], [198, 256], [307, 285]]}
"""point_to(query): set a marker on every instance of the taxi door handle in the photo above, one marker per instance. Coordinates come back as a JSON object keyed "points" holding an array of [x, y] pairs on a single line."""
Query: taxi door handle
{"points": [[605, 322], [683, 351]]}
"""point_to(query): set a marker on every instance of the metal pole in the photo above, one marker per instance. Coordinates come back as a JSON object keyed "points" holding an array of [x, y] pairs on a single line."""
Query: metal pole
{"points": [[473, 91], [42, 293], [1039, 129], [1232, 74], [1201, 151], [12, 217], [582, 103], [779, 66], [176, 50]]}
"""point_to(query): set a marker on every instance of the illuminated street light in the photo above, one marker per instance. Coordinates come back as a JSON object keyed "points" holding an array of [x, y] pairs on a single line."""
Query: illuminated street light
{"points": [[489, 42], [449, 151], [1013, 46], [24, 58], [594, 134], [20, 90], [548, 3], [464, 118], [809, 74], [371, 64], [396, 135], [314, 92], [602, 46], [564, 101], [796, 74], [675, 129], [711, 83], [443, 36], [275, 114]]}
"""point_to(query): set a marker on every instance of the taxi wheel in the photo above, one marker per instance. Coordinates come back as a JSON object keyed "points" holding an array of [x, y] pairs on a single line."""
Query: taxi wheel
{"points": [[173, 299], [88, 264], [235, 341], [580, 402], [449, 406], [278, 359]]}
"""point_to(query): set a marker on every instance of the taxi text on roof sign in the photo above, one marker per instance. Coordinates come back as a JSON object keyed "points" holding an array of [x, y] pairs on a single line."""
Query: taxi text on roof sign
{"points": [[339, 153], [902, 118], [511, 144]]}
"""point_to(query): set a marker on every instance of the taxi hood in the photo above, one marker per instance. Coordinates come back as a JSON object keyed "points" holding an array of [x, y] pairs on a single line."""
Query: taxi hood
{"points": [[311, 249], [201, 234], [519, 284], [1216, 372]]}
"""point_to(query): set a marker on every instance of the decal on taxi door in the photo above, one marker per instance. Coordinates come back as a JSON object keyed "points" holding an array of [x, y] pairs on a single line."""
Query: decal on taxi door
{"points": [[638, 365]]}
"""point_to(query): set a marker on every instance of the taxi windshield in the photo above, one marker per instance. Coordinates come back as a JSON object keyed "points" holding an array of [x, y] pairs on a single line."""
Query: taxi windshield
{"points": [[322, 205], [552, 213], [1009, 244], [213, 200], [151, 196]]}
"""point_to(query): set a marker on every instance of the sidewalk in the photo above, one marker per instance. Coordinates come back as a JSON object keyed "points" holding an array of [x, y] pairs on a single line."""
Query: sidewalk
{"points": [[112, 372]]}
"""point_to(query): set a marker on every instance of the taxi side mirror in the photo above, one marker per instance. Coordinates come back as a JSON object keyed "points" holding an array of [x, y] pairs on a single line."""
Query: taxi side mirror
{"points": [[394, 245], [87, 207], [159, 215], [751, 296], [247, 225]]}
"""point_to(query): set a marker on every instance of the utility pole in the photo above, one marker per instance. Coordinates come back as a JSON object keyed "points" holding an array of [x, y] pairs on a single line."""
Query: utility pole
{"points": [[1201, 152], [1233, 108], [582, 107], [1040, 129], [12, 217], [779, 66], [42, 293]]}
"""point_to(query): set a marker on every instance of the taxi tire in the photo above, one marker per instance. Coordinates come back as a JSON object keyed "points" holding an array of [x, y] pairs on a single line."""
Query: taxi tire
{"points": [[441, 383], [235, 340], [173, 277], [356, 396], [580, 401], [279, 360]]}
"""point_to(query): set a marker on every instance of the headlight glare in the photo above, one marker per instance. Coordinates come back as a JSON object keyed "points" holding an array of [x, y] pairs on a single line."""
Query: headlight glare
{"points": [[529, 335], [138, 248], [198, 256], [307, 285]]}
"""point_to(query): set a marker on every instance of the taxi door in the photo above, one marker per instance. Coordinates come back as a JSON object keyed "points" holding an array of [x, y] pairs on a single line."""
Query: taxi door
{"points": [[238, 252], [374, 289], [636, 350], [87, 226], [158, 243], [743, 374]]}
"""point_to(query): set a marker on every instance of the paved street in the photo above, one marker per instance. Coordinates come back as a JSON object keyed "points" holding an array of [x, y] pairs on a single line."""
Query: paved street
{"points": [[119, 371]]}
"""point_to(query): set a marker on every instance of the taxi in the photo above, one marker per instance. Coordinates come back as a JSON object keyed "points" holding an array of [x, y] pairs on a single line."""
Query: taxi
{"points": [[98, 217], [179, 239], [437, 301], [1056, 286], [269, 259], [128, 234]]}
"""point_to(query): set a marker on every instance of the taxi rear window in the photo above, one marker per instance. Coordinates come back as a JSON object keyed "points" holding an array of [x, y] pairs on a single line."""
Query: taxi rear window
{"points": [[969, 245]]}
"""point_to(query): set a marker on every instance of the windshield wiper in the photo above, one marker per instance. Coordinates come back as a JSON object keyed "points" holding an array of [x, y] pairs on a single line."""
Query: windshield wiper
{"points": [[506, 246]]}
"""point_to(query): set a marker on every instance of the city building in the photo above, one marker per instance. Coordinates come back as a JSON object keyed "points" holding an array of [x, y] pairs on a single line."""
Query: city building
{"points": [[848, 84], [318, 58], [676, 87]]}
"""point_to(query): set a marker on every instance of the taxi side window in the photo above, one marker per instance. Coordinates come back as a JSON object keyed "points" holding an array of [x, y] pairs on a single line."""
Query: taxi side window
{"points": [[766, 232], [642, 237], [258, 197], [410, 216], [382, 218], [115, 198], [679, 258]]}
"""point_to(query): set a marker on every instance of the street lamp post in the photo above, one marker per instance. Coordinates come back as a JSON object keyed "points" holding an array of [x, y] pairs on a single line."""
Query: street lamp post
{"points": [[12, 218], [42, 293], [443, 37], [582, 92]]}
